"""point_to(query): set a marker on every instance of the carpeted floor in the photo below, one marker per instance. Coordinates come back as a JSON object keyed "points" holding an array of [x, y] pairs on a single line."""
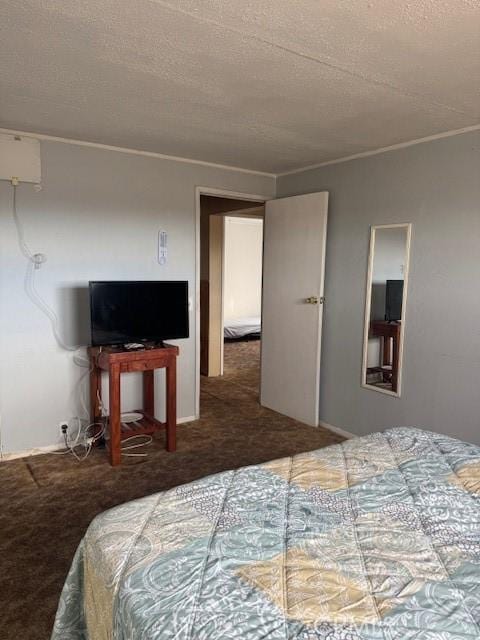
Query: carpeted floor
{"points": [[47, 501]]}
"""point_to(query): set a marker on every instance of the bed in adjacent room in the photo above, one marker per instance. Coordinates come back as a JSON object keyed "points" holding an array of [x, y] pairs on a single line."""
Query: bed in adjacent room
{"points": [[377, 538], [242, 327]]}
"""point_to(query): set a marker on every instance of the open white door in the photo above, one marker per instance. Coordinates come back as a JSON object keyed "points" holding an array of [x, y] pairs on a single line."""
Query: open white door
{"points": [[292, 304]]}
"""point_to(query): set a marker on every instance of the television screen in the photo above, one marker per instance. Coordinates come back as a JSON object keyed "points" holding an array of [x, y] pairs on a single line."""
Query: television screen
{"points": [[141, 311], [393, 300]]}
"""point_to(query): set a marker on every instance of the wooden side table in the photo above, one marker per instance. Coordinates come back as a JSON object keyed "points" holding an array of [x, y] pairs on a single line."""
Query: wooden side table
{"points": [[115, 362], [388, 331]]}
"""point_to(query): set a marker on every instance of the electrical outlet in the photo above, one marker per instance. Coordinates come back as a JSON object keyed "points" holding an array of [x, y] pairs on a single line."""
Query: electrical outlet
{"points": [[63, 426]]}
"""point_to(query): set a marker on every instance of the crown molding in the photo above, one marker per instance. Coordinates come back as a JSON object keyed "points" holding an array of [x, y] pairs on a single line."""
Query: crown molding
{"points": [[137, 152], [226, 167], [374, 152]]}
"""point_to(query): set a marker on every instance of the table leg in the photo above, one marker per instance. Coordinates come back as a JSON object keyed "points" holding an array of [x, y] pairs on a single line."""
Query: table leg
{"points": [[95, 389], [114, 420], [148, 393], [386, 359], [386, 351], [171, 374], [395, 364]]}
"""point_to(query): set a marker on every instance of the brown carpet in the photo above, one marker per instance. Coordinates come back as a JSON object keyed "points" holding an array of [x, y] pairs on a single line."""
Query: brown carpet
{"points": [[47, 501]]}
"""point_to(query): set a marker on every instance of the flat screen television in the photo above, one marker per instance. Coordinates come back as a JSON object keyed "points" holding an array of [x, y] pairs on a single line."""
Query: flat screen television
{"points": [[393, 300], [138, 311]]}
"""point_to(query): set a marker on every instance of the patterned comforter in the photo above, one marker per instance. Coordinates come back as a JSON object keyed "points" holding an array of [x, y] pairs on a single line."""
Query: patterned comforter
{"points": [[377, 538]]}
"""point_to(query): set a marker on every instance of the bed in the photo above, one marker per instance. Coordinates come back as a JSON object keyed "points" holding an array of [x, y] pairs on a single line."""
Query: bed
{"points": [[377, 538], [242, 327]]}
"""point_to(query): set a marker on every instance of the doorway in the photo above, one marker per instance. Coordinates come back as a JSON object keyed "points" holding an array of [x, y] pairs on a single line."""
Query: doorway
{"points": [[294, 246], [231, 253]]}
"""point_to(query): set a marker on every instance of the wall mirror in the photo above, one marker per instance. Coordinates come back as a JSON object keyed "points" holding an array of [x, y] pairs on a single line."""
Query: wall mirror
{"points": [[386, 295]]}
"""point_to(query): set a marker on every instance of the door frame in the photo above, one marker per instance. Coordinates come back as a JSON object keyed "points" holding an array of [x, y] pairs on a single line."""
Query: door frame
{"points": [[221, 193]]}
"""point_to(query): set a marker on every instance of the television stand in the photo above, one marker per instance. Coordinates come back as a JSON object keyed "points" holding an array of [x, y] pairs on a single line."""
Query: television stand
{"points": [[116, 361]]}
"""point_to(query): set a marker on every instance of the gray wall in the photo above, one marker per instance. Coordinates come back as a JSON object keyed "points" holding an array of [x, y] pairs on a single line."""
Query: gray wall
{"points": [[97, 217], [436, 186]]}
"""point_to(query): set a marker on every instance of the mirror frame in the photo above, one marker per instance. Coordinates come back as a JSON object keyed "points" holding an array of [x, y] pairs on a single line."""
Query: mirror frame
{"points": [[368, 303]]}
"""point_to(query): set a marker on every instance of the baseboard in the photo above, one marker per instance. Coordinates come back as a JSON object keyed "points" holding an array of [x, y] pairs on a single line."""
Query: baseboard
{"points": [[31, 452], [56, 447], [340, 432]]}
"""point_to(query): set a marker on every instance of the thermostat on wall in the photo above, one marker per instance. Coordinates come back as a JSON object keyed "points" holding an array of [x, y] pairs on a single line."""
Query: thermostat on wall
{"points": [[20, 159]]}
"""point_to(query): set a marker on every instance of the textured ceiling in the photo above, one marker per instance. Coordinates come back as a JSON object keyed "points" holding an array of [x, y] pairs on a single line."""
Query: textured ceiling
{"points": [[272, 85]]}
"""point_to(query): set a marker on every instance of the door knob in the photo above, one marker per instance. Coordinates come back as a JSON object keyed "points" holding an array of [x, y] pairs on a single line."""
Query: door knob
{"points": [[312, 300]]}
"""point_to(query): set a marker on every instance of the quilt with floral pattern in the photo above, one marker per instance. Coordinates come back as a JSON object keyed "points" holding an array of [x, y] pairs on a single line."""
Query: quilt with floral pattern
{"points": [[376, 538]]}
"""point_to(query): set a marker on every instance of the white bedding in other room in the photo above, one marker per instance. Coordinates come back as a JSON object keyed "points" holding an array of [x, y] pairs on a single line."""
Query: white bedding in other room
{"points": [[240, 327]]}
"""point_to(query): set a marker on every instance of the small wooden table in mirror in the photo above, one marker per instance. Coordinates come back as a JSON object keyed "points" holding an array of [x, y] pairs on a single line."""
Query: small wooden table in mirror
{"points": [[386, 295]]}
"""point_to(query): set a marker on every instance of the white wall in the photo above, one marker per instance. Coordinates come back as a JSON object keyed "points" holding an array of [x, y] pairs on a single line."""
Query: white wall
{"points": [[97, 217], [242, 289]]}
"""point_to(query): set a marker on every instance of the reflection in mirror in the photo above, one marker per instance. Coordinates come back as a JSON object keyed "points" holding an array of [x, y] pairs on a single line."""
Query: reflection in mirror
{"points": [[385, 307]]}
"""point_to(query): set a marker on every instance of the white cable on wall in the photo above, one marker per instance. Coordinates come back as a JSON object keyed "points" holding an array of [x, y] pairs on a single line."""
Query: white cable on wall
{"points": [[20, 233], [35, 260]]}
